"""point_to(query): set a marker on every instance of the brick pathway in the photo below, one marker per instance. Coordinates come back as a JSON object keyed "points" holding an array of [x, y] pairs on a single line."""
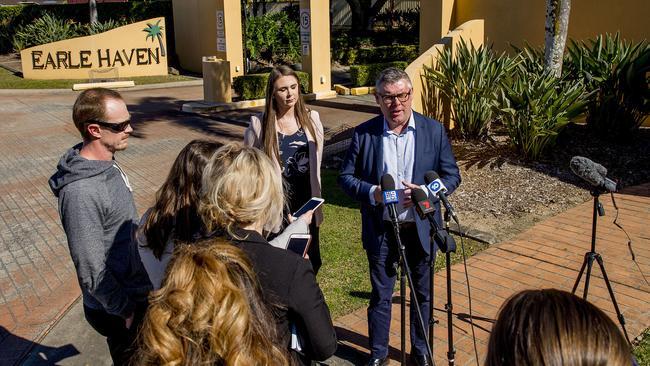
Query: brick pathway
{"points": [[38, 282], [37, 278], [547, 255]]}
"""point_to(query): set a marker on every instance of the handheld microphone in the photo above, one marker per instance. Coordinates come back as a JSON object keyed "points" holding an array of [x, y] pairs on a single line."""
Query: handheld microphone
{"points": [[438, 189], [425, 208], [390, 196], [593, 173]]}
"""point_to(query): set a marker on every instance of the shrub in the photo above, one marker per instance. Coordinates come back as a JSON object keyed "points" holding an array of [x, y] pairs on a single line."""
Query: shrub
{"points": [[96, 28], [536, 107], [616, 71], [354, 55], [253, 86], [274, 38], [365, 75], [43, 30], [471, 82]]}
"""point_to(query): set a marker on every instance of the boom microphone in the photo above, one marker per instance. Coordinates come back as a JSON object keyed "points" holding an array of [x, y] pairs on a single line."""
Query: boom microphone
{"points": [[593, 173], [390, 196], [438, 189]]}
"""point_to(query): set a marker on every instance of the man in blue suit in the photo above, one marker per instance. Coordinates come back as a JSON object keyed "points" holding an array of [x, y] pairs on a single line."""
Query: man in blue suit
{"points": [[405, 145]]}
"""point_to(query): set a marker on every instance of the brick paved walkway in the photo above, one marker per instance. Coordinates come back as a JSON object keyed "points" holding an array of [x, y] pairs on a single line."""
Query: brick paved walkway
{"points": [[38, 282], [547, 255]]}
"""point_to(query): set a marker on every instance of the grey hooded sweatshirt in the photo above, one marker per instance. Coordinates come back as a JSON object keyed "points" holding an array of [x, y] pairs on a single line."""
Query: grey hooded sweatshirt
{"points": [[99, 218]]}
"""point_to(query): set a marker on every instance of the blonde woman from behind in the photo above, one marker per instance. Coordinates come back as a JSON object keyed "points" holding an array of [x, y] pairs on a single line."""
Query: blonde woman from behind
{"points": [[209, 311]]}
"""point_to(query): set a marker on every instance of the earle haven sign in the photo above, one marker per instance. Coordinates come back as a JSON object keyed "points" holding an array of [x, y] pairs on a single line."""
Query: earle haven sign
{"points": [[136, 49]]}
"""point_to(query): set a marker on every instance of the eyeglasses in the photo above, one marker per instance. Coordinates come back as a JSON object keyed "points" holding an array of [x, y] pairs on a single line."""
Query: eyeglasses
{"points": [[390, 99], [115, 127]]}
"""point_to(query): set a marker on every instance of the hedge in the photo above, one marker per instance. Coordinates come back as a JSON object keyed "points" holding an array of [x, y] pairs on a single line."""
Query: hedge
{"points": [[352, 55], [365, 75], [253, 86], [12, 17]]}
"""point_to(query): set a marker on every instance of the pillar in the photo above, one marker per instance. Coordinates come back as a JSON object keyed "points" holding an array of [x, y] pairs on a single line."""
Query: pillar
{"points": [[315, 44]]}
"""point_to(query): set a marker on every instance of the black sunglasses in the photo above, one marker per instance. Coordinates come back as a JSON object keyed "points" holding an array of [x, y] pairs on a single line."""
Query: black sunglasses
{"points": [[115, 127]]}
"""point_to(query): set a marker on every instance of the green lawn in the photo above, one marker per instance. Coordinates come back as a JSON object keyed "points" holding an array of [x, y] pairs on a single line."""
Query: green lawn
{"points": [[642, 349], [10, 81], [344, 275]]}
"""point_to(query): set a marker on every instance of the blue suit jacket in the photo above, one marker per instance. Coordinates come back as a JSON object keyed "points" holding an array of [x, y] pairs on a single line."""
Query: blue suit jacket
{"points": [[363, 168]]}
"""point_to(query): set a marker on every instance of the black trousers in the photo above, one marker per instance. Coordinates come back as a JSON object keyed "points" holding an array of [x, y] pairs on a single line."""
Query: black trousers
{"points": [[314, 247], [120, 339]]}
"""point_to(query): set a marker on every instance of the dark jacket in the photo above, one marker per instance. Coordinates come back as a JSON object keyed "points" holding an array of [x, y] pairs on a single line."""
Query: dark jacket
{"points": [[99, 218], [363, 168], [288, 280]]}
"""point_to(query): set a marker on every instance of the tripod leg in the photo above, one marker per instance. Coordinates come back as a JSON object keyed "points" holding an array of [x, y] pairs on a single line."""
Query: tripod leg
{"points": [[402, 295], [620, 317], [590, 264]]}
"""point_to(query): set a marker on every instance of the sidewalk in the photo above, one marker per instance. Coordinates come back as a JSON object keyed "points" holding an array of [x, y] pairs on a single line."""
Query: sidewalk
{"points": [[39, 289]]}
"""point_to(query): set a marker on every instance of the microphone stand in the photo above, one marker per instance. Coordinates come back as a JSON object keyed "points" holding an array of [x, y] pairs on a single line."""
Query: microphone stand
{"points": [[447, 245], [406, 271], [592, 255]]}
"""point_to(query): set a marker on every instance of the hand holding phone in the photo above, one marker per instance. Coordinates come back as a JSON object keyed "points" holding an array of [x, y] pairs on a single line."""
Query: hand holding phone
{"points": [[299, 244], [312, 204]]}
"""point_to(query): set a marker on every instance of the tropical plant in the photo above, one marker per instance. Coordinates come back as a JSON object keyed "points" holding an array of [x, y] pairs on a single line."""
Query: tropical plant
{"points": [[155, 30], [45, 29], [471, 81], [536, 107], [96, 28], [617, 72]]}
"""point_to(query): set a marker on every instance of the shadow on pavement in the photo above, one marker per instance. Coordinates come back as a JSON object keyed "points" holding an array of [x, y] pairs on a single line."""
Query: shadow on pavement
{"points": [[14, 349]]}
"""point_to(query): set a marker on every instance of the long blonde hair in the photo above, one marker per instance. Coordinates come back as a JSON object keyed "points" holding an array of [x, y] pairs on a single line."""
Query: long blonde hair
{"points": [[210, 310], [269, 132], [240, 187]]}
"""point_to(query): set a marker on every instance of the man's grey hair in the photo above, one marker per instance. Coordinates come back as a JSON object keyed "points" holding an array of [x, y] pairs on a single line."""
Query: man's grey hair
{"points": [[391, 75]]}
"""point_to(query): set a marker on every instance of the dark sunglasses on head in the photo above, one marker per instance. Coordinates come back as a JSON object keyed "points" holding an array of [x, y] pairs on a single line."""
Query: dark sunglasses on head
{"points": [[115, 127]]}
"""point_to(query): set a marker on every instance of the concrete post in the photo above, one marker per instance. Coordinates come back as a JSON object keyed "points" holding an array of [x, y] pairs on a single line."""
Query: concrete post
{"points": [[315, 45]]}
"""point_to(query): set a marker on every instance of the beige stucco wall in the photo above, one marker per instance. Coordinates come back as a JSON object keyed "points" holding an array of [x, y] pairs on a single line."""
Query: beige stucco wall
{"points": [[121, 52], [196, 33], [516, 21]]}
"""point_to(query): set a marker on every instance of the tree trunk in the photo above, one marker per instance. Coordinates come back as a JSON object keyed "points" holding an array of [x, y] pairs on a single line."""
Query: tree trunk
{"points": [[557, 27], [93, 11]]}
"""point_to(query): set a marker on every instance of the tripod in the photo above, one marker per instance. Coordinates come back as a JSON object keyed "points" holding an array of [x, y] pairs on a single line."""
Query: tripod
{"points": [[592, 255], [405, 274], [447, 245]]}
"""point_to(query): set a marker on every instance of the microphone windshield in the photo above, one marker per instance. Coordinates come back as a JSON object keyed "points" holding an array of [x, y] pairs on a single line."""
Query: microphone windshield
{"points": [[430, 176], [592, 173], [387, 183]]}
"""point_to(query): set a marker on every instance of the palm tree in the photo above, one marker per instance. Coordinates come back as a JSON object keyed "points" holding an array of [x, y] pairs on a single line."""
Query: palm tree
{"points": [[557, 27], [155, 30]]}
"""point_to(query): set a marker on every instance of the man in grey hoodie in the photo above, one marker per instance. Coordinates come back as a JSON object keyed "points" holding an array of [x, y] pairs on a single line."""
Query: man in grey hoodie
{"points": [[99, 218]]}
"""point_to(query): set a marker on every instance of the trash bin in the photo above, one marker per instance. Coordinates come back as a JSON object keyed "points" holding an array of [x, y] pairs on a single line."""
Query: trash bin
{"points": [[216, 80]]}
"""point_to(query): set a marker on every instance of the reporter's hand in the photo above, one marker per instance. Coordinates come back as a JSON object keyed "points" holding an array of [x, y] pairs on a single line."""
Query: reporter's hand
{"points": [[307, 216]]}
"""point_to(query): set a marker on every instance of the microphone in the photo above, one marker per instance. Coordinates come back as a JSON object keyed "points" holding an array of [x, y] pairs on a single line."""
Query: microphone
{"points": [[593, 173], [390, 196], [438, 189], [425, 208], [423, 204]]}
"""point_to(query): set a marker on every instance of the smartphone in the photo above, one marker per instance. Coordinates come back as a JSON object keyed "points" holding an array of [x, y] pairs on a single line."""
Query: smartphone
{"points": [[299, 243], [312, 204]]}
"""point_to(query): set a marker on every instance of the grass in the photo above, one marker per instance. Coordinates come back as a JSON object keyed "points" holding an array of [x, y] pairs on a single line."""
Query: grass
{"points": [[344, 276], [642, 348], [9, 80]]}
